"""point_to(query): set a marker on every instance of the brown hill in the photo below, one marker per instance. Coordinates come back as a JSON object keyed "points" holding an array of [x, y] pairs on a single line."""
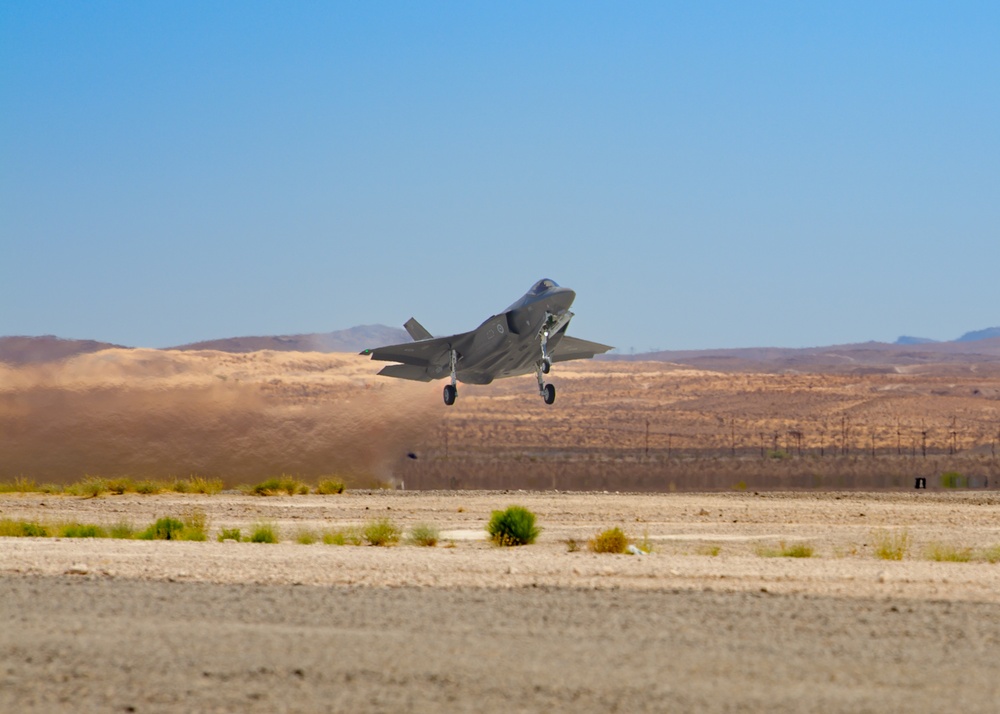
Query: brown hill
{"points": [[47, 348], [837, 359]]}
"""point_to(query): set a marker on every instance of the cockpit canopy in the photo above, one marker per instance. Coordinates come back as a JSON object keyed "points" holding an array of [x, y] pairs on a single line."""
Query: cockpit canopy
{"points": [[542, 285]]}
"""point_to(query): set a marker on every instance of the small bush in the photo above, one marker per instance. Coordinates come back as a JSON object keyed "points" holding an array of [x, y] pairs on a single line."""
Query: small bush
{"points": [[711, 549], [797, 550], [990, 555], [118, 486], [195, 526], [147, 488], [82, 530], [90, 487], [424, 534], [276, 486], [305, 537], [571, 545], [345, 536], [10, 528], [197, 484], [229, 534], [19, 485], [948, 553], [891, 545], [381, 532], [163, 529], [612, 540], [515, 526], [122, 529], [330, 487], [264, 533]]}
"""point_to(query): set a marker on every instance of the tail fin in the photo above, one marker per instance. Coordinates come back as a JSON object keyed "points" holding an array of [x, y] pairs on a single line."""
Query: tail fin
{"points": [[416, 330]]}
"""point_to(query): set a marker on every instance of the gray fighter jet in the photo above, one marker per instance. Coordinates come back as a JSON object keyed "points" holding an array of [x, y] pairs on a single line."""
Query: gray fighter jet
{"points": [[526, 337]]}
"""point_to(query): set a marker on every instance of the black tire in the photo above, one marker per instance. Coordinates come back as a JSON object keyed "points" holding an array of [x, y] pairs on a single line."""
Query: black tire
{"points": [[549, 393], [546, 366], [450, 394]]}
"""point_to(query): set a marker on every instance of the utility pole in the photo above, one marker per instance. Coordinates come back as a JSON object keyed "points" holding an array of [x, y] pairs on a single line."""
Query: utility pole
{"points": [[647, 437]]}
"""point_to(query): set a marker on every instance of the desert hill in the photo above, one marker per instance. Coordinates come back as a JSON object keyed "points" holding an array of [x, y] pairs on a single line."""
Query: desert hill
{"points": [[872, 357], [47, 348]]}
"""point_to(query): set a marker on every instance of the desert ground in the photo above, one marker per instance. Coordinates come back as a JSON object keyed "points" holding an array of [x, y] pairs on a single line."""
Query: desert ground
{"points": [[718, 471], [708, 621], [635, 426]]}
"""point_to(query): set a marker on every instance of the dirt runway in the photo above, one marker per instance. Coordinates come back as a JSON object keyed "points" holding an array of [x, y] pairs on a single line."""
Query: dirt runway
{"points": [[704, 623]]}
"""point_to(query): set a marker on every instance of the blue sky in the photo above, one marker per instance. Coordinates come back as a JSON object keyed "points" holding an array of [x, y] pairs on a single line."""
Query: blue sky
{"points": [[703, 174]]}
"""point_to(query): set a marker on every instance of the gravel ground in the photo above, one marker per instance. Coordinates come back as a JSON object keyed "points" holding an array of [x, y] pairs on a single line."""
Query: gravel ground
{"points": [[103, 625]]}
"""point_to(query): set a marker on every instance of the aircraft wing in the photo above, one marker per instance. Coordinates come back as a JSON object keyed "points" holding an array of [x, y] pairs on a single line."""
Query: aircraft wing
{"points": [[422, 360], [573, 348]]}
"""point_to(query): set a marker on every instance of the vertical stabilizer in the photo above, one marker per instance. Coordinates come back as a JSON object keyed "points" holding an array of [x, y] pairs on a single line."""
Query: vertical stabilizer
{"points": [[417, 331]]}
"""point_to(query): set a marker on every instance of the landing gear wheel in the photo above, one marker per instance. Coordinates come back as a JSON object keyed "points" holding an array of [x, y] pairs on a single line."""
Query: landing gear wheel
{"points": [[549, 393], [450, 394], [546, 366]]}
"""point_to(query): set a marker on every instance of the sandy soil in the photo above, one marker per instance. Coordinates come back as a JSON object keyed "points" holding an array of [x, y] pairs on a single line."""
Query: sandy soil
{"points": [[102, 625]]}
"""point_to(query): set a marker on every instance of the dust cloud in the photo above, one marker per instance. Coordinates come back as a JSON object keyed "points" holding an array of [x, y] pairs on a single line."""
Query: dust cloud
{"points": [[245, 417]]}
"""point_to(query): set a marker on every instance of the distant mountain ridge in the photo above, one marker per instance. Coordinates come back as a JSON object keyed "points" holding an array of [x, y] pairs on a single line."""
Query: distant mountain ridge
{"points": [[977, 347], [49, 348], [974, 336]]}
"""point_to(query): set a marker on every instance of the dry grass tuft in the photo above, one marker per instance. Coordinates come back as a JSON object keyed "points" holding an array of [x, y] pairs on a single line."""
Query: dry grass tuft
{"points": [[612, 540]]}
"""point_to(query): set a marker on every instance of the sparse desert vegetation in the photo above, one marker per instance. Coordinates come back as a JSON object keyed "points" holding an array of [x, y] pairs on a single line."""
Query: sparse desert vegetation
{"points": [[891, 544], [381, 532], [612, 540], [514, 526]]}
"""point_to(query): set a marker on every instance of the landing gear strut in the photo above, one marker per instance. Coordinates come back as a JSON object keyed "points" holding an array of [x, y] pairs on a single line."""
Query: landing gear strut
{"points": [[550, 326], [546, 391], [451, 390]]}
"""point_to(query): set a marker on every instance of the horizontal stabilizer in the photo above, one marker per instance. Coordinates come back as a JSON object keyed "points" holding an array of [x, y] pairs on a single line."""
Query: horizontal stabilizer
{"points": [[406, 371], [416, 330], [573, 348]]}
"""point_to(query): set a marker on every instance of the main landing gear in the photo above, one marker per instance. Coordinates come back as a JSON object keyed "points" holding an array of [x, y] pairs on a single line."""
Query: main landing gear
{"points": [[451, 390], [546, 391]]}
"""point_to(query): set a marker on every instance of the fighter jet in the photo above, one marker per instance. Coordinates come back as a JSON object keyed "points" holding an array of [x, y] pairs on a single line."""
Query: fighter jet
{"points": [[529, 336]]}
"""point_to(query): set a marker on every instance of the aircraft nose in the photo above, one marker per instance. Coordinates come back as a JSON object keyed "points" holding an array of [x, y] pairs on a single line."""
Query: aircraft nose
{"points": [[563, 298]]}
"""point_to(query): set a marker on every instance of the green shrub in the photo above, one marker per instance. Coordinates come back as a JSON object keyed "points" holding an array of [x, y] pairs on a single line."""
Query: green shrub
{"points": [[990, 555], [229, 534], [381, 531], [612, 540], [891, 545], [329, 487], [22, 529], [82, 530], [797, 550], [147, 488], [195, 526], [424, 534], [198, 484], [164, 529], [264, 533], [953, 479], [711, 549], [948, 553], [305, 537], [344, 536], [275, 486], [515, 526], [90, 487], [118, 486], [19, 485], [122, 529], [571, 545]]}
